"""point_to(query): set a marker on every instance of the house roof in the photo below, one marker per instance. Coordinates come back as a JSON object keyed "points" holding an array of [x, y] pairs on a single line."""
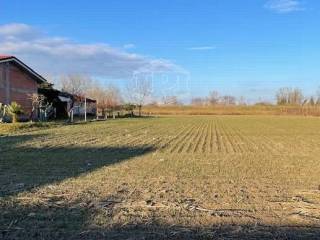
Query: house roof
{"points": [[5, 57], [8, 58], [57, 93]]}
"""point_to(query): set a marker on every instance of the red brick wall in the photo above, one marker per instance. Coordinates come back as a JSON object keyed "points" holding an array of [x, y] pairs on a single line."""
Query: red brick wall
{"points": [[2, 84], [22, 85], [2, 94]]}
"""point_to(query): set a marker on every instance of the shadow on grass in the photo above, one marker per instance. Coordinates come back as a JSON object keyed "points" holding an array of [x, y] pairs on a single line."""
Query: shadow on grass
{"points": [[23, 168], [72, 222], [224, 231]]}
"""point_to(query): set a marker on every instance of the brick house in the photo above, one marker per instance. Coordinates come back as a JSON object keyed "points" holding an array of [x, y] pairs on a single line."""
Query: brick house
{"points": [[18, 82]]}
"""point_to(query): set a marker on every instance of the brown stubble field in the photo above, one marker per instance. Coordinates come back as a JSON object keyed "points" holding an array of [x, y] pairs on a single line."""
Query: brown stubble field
{"points": [[196, 177]]}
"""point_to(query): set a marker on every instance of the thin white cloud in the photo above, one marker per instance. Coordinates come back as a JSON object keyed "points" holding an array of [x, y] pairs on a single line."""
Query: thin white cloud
{"points": [[202, 48], [129, 46], [16, 30], [58, 55], [284, 6]]}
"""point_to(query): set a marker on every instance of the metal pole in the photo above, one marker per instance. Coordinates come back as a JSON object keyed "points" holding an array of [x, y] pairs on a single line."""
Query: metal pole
{"points": [[71, 115], [85, 109]]}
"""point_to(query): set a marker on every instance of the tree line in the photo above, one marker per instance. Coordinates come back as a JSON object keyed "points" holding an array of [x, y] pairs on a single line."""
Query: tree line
{"points": [[295, 96], [284, 97], [214, 98], [139, 93]]}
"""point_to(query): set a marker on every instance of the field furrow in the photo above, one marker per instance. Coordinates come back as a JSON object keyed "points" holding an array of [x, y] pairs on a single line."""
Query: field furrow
{"points": [[180, 139], [247, 144], [176, 137], [186, 141], [196, 140], [207, 138], [200, 144], [229, 140], [218, 141]]}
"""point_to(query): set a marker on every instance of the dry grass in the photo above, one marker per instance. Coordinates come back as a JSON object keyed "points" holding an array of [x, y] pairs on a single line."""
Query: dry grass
{"points": [[6, 128], [158, 178]]}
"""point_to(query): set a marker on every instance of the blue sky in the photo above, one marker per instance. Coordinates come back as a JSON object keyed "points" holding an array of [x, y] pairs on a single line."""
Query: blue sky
{"points": [[245, 47]]}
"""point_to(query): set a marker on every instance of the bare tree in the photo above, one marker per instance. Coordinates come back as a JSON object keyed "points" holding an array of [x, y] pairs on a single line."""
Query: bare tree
{"points": [[113, 98], [139, 91], [108, 98], [228, 100], [295, 97], [282, 96], [288, 96], [76, 84], [213, 98], [98, 93]]}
